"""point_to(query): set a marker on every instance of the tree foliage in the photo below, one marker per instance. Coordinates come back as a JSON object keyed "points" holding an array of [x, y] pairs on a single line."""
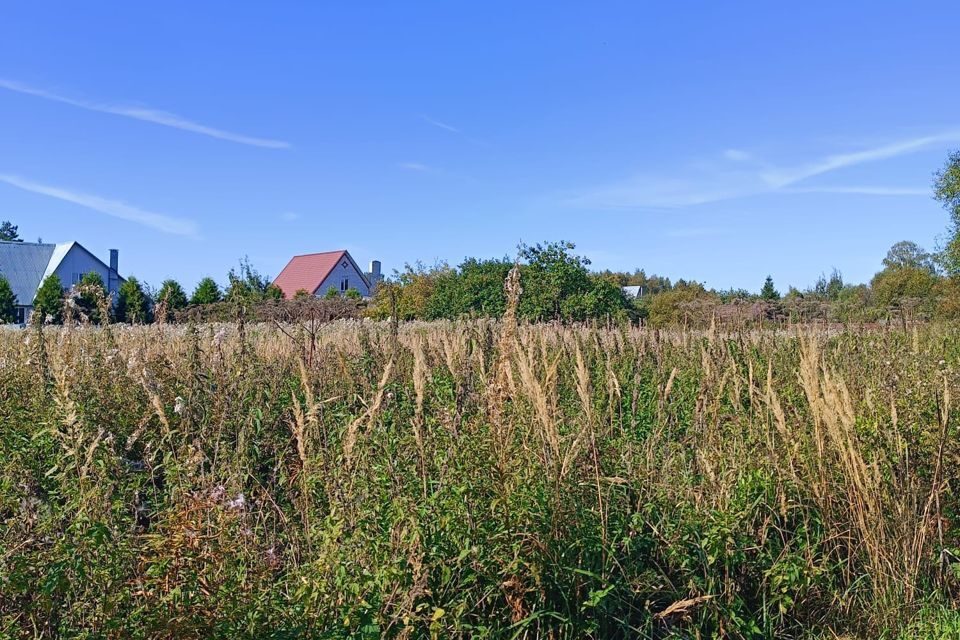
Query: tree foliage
{"points": [[907, 254], [556, 286], [92, 291], [207, 292], [172, 295], [769, 292], [680, 304], [133, 304], [895, 286], [246, 285], [48, 304], [946, 190], [8, 302], [475, 288], [8, 232], [829, 288], [553, 279]]}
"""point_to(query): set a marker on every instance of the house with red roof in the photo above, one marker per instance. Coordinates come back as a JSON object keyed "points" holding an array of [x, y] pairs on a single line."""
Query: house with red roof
{"points": [[318, 273]]}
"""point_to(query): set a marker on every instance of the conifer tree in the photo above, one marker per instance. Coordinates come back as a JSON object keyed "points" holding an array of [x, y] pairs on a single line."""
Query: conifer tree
{"points": [[769, 292], [8, 302], [49, 300]]}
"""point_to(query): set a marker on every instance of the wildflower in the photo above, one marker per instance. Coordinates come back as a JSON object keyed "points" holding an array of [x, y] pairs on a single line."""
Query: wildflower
{"points": [[179, 406], [217, 493], [238, 502]]}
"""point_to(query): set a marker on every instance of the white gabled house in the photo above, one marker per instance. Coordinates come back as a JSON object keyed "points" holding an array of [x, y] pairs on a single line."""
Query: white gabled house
{"points": [[27, 264]]}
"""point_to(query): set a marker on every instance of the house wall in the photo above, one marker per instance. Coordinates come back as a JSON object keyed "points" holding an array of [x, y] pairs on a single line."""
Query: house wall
{"points": [[350, 272], [76, 264]]}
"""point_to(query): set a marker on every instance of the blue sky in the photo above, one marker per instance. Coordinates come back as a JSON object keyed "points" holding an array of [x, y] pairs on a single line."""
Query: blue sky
{"points": [[706, 140]]}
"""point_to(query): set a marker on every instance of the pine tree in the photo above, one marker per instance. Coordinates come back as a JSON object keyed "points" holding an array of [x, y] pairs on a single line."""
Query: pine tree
{"points": [[8, 232], [769, 292], [133, 305], [49, 300], [172, 294], [207, 292], [8, 302]]}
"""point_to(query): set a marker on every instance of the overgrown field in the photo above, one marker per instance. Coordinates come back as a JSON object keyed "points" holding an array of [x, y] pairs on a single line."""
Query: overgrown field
{"points": [[479, 479]]}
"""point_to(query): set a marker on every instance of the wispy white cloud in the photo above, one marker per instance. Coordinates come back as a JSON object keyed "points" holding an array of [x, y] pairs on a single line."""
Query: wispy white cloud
{"points": [[452, 129], [740, 174], [784, 177], [862, 190], [289, 216], [441, 125], [145, 114], [654, 191], [115, 208]]}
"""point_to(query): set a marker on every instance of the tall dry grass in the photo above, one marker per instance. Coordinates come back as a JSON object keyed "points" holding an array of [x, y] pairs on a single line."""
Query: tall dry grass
{"points": [[476, 479]]}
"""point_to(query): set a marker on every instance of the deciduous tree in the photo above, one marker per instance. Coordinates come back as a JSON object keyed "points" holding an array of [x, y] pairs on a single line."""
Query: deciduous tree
{"points": [[946, 189], [92, 291]]}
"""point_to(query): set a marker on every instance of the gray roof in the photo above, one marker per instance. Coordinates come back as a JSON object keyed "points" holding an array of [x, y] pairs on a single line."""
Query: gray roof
{"points": [[23, 265]]}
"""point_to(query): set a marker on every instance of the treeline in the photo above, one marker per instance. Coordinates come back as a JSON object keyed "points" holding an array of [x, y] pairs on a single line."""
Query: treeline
{"points": [[914, 284], [139, 303], [557, 285]]}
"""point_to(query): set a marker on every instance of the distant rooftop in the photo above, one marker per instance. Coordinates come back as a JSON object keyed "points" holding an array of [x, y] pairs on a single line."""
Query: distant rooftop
{"points": [[23, 265]]}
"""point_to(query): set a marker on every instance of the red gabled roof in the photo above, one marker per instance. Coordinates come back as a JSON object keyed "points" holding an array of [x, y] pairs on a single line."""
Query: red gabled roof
{"points": [[307, 272]]}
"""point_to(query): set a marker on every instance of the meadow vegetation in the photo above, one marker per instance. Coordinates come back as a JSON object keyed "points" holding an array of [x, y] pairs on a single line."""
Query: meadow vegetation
{"points": [[482, 478]]}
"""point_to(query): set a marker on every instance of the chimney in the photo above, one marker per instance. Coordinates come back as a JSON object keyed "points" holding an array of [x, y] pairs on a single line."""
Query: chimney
{"points": [[113, 279]]}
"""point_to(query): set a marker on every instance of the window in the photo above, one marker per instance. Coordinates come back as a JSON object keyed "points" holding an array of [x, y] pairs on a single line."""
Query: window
{"points": [[20, 315], [344, 284], [77, 277]]}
